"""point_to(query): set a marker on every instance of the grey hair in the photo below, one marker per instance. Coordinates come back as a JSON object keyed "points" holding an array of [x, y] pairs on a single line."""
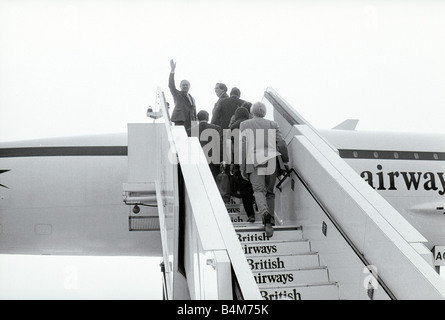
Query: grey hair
{"points": [[258, 109]]}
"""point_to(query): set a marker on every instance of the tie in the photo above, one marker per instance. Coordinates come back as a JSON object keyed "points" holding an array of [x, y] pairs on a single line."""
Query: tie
{"points": [[190, 99], [192, 110]]}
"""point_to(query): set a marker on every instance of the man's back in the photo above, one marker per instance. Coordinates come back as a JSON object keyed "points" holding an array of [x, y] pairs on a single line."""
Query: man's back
{"points": [[225, 110], [260, 137], [210, 138]]}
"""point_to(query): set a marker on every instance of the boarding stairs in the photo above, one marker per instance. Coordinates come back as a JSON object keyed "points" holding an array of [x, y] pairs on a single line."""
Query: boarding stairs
{"points": [[335, 238], [284, 266]]}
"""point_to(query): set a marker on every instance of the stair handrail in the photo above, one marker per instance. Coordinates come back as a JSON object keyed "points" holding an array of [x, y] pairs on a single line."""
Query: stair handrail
{"points": [[308, 136], [351, 244], [290, 114]]}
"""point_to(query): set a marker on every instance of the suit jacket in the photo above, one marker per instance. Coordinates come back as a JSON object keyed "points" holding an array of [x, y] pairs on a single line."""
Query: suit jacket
{"points": [[259, 138], [184, 110], [207, 140], [223, 96], [225, 110], [234, 138]]}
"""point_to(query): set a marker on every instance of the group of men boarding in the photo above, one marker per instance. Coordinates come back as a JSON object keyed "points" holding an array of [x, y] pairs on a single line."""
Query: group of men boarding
{"points": [[240, 126]]}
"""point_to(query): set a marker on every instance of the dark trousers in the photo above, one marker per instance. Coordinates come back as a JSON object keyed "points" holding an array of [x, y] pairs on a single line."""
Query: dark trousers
{"points": [[246, 193], [214, 168]]}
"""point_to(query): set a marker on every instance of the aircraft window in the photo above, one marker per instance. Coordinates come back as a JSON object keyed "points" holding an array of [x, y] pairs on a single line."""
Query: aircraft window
{"points": [[390, 154]]}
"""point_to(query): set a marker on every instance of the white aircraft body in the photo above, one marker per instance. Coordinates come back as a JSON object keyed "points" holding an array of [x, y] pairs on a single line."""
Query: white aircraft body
{"points": [[64, 196], [407, 169]]}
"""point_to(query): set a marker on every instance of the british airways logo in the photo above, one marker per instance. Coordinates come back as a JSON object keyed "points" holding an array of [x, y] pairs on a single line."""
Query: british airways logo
{"points": [[411, 180], [3, 171]]}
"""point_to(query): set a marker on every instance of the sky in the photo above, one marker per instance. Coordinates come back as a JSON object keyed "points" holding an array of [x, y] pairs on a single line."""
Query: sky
{"points": [[71, 68], [87, 67]]}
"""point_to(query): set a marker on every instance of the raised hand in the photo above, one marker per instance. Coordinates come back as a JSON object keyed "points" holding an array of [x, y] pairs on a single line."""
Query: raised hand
{"points": [[172, 65]]}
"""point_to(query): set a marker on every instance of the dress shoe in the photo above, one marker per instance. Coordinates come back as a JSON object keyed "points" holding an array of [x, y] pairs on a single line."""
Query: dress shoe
{"points": [[268, 229], [267, 221]]}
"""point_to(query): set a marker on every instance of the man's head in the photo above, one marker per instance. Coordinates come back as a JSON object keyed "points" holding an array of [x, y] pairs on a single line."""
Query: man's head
{"points": [[258, 109], [235, 92], [220, 89], [185, 86], [203, 115]]}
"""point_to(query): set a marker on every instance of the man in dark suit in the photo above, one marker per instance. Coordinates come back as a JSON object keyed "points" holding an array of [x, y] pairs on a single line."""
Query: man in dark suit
{"points": [[226, 109], [221, 93], [259, 139], [210, 137], [244, 187], [185, 107]]}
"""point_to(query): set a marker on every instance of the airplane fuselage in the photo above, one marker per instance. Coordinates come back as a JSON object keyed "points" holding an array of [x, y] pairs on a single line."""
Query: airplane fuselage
{"points": [[64, 196], [408, 170]]}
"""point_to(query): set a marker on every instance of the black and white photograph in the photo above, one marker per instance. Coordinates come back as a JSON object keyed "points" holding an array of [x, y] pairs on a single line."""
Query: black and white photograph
{"points": [[219, 151]]}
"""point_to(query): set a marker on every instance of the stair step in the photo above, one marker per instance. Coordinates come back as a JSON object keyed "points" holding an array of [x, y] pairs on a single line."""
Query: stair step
{"points": [[252, 233], [236, 205], [275, 247], [283, 265], [289, 262], [315, 291], [286, 278], [237, 213], [242, 217]]}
